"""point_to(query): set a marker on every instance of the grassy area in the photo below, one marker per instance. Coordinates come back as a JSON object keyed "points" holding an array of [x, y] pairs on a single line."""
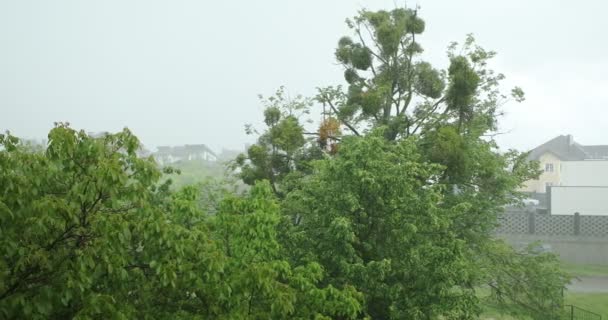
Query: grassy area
{"points": [[595, 302], [585, 270], [495, 315]]}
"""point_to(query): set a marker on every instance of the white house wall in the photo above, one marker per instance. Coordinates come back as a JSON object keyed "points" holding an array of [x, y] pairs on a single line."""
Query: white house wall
{"points": [[592, 201], [584, 173]]}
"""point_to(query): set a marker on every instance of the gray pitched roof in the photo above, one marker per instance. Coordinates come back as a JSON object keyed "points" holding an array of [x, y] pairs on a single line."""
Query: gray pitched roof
{"points": [[562, 146], [596, 152], [565, 148]]}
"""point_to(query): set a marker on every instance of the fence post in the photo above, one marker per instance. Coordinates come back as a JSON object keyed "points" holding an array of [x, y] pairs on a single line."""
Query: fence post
{"points": [[572, 312], [531, 222], [577, 224]]}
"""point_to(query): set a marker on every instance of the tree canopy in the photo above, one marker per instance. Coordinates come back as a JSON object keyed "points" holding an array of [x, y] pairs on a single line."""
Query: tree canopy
{"points": [[403, 195], [88, 232], [387, 211]]}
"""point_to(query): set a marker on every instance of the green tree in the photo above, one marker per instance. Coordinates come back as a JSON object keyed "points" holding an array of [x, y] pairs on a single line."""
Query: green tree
{"points": [[262, 282], [344, 213], [390, 85], [372, 217], [88, 232], [525, 283], [378, 217], [283, 152], [67, 226]]}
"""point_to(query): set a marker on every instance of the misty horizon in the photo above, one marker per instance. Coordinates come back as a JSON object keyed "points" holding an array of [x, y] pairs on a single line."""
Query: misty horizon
{"points": [[191, 73]]}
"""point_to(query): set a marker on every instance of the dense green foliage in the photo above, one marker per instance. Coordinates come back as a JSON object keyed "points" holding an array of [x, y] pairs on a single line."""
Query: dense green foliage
{"points": [[282, 153], [404, 203], [87, 232], [389, 84], [371, 217], [386, 212]]}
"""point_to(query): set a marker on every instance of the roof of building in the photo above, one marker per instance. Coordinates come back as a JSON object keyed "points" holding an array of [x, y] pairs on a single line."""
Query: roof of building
{"points": [[596, 152], [565, 148]]}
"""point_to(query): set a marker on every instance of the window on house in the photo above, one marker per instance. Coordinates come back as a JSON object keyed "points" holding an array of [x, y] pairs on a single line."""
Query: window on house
{"points": [[548, 167], [548, 185]]}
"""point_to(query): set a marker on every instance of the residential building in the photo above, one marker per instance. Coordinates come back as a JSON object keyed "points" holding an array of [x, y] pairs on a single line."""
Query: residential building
{"points": [[189, 152], [574, 177], [584, 173], [566, 162], [584, 200]]}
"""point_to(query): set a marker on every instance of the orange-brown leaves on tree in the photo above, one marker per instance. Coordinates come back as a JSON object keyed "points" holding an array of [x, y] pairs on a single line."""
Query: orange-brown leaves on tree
{"points": [[328, 131]]}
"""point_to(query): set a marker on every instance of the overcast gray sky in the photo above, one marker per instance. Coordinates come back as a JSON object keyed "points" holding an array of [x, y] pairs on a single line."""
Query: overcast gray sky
{"points": [[178, 71]]}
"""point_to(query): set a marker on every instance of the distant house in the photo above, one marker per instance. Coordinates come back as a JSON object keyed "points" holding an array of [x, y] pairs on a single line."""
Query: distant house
{"points": [[565, 162], [574, 177], [167, 155]]}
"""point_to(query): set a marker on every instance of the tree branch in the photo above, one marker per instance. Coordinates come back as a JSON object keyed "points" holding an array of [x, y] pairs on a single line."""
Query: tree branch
{"points": [[333, 108], [358, 30], [433, 109]]}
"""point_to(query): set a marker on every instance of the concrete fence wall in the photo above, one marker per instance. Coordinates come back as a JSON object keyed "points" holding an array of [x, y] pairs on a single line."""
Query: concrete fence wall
{"points": [[576, 239], [531, 223]]}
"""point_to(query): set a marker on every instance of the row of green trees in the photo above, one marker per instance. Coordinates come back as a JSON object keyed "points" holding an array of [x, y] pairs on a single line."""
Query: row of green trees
{"points": [[385, 212], [88, 232]]}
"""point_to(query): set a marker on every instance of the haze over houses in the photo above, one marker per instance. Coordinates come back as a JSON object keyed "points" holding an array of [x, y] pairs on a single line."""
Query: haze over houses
{"points": [[167, 155]]}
